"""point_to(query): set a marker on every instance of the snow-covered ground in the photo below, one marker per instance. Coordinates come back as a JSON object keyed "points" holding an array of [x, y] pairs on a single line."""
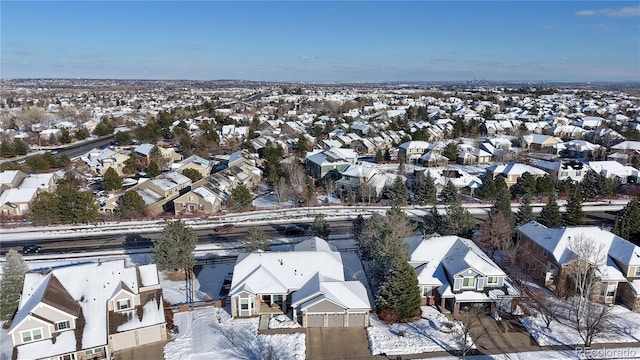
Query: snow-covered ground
{"points": [[623, 327], [210, 333], [428, 334]]}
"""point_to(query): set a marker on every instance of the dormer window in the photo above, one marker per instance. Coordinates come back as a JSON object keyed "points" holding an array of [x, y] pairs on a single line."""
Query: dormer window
{"points": [[637, 271], [124, 304], [62, 325], [492, 280]]}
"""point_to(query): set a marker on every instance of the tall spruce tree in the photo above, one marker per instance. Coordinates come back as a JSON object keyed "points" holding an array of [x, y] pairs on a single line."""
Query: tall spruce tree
{"points": [[13, 271], [427, 192], [433, 222], [574, 214], [628, 222], [174, 250], [525, 211], [398, 193], [550, 214], [401, 292], [458, 221], [449, 194], [503, 200], [111, 180]]}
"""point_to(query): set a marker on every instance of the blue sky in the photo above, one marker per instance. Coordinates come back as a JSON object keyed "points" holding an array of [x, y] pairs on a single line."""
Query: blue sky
{"points": [[322, 41]]}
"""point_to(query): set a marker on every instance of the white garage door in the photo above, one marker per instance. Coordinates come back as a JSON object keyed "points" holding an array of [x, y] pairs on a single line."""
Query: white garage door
{"points": [[357, 320], [336, 320], [315, 320]]}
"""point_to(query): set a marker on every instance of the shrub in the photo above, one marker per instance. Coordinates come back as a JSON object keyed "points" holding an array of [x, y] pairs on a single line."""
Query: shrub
{"points": [[389, 316]]}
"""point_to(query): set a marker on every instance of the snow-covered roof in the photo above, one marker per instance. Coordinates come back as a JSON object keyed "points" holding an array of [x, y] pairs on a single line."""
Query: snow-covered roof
{"points": [[90, 286], [283, 272], [16, 196], [314, 243], [144, 149], [513, 168], [612, 169], [40, 181], [557, 242], [348, 294]]}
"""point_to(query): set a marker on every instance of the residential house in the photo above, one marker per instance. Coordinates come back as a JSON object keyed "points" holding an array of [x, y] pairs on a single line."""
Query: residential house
{"points": [[453, 272], [17, 191], [577, 149], [311, 281], [433, 158], [329, 162], [539, 141], [512, 171], [195, 162], [158, 192], [203, 198], [463, 181], [411, 151], [563, 170], [549, 254], [100, 160], [615, 170], [88, 311], [364, 180]]}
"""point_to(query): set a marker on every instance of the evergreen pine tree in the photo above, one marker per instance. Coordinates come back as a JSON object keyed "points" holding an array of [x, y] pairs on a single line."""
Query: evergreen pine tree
{"points": [[131, 204], [458, 221], [13, 271], [574, 214], [488, 188], [433, 222], [503, 200], [256, 239], [426, 190], [401, 292], [241, 197], [628, 222], [319, 227], [398, 193], [111, 180], [550, 214], [449, 194], [525, 211], [174, 249]]}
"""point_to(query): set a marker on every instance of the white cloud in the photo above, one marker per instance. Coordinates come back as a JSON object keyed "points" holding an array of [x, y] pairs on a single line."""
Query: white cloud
{"points": [[616, 13]]}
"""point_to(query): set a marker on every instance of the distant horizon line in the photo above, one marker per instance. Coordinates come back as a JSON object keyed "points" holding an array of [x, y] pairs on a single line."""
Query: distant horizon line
{"points": [[337, 82]]}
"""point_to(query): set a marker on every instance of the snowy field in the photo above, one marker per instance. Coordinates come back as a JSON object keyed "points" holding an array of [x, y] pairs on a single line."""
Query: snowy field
{"points": [[210, 333], [424, 335]]}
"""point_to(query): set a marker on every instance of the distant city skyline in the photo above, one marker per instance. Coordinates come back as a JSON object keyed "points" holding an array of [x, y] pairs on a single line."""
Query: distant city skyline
{"points": [[322, 41]]}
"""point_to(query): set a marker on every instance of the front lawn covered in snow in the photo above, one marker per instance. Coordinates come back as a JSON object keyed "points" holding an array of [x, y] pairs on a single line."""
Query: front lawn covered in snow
{"points": [[433, 332], [622, 326], [210, 333]]}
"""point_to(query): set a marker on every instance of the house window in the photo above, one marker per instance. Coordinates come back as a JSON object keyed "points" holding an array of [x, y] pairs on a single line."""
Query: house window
{"points": [[578, 173], [276, 298], [244, 304], [563, 173], [608, 290], [190, 198], [427, 291], [468, 282], [31, 335], [492, 280], [637, 271], [62, 325], [124, 304], [88, 352]]}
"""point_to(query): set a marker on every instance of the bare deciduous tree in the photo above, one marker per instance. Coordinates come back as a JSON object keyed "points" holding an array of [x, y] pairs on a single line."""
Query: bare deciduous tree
{"points": [[496, 232], [470, 329], [587, 257], [282, 190], [297, 177], [543, 304]]}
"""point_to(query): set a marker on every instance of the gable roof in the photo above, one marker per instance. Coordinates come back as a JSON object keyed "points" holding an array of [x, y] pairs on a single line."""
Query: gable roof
{"points": [[557, 241], [283, 272]]}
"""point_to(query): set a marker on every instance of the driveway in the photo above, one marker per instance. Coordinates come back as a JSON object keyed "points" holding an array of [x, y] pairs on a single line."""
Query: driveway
{"points": [[337, 343], [504, 336], [146, 352]]}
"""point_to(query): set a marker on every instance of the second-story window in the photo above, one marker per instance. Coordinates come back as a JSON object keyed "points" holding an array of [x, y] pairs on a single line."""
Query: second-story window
{"points": [[468, 282], [637, 271], [62, 325], [492, 280], [124, 304]]}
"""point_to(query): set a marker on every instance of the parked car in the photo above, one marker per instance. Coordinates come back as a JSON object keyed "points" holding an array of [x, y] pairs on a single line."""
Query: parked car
{"points": [[31, 249], [294, 230], [225, 228]]}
